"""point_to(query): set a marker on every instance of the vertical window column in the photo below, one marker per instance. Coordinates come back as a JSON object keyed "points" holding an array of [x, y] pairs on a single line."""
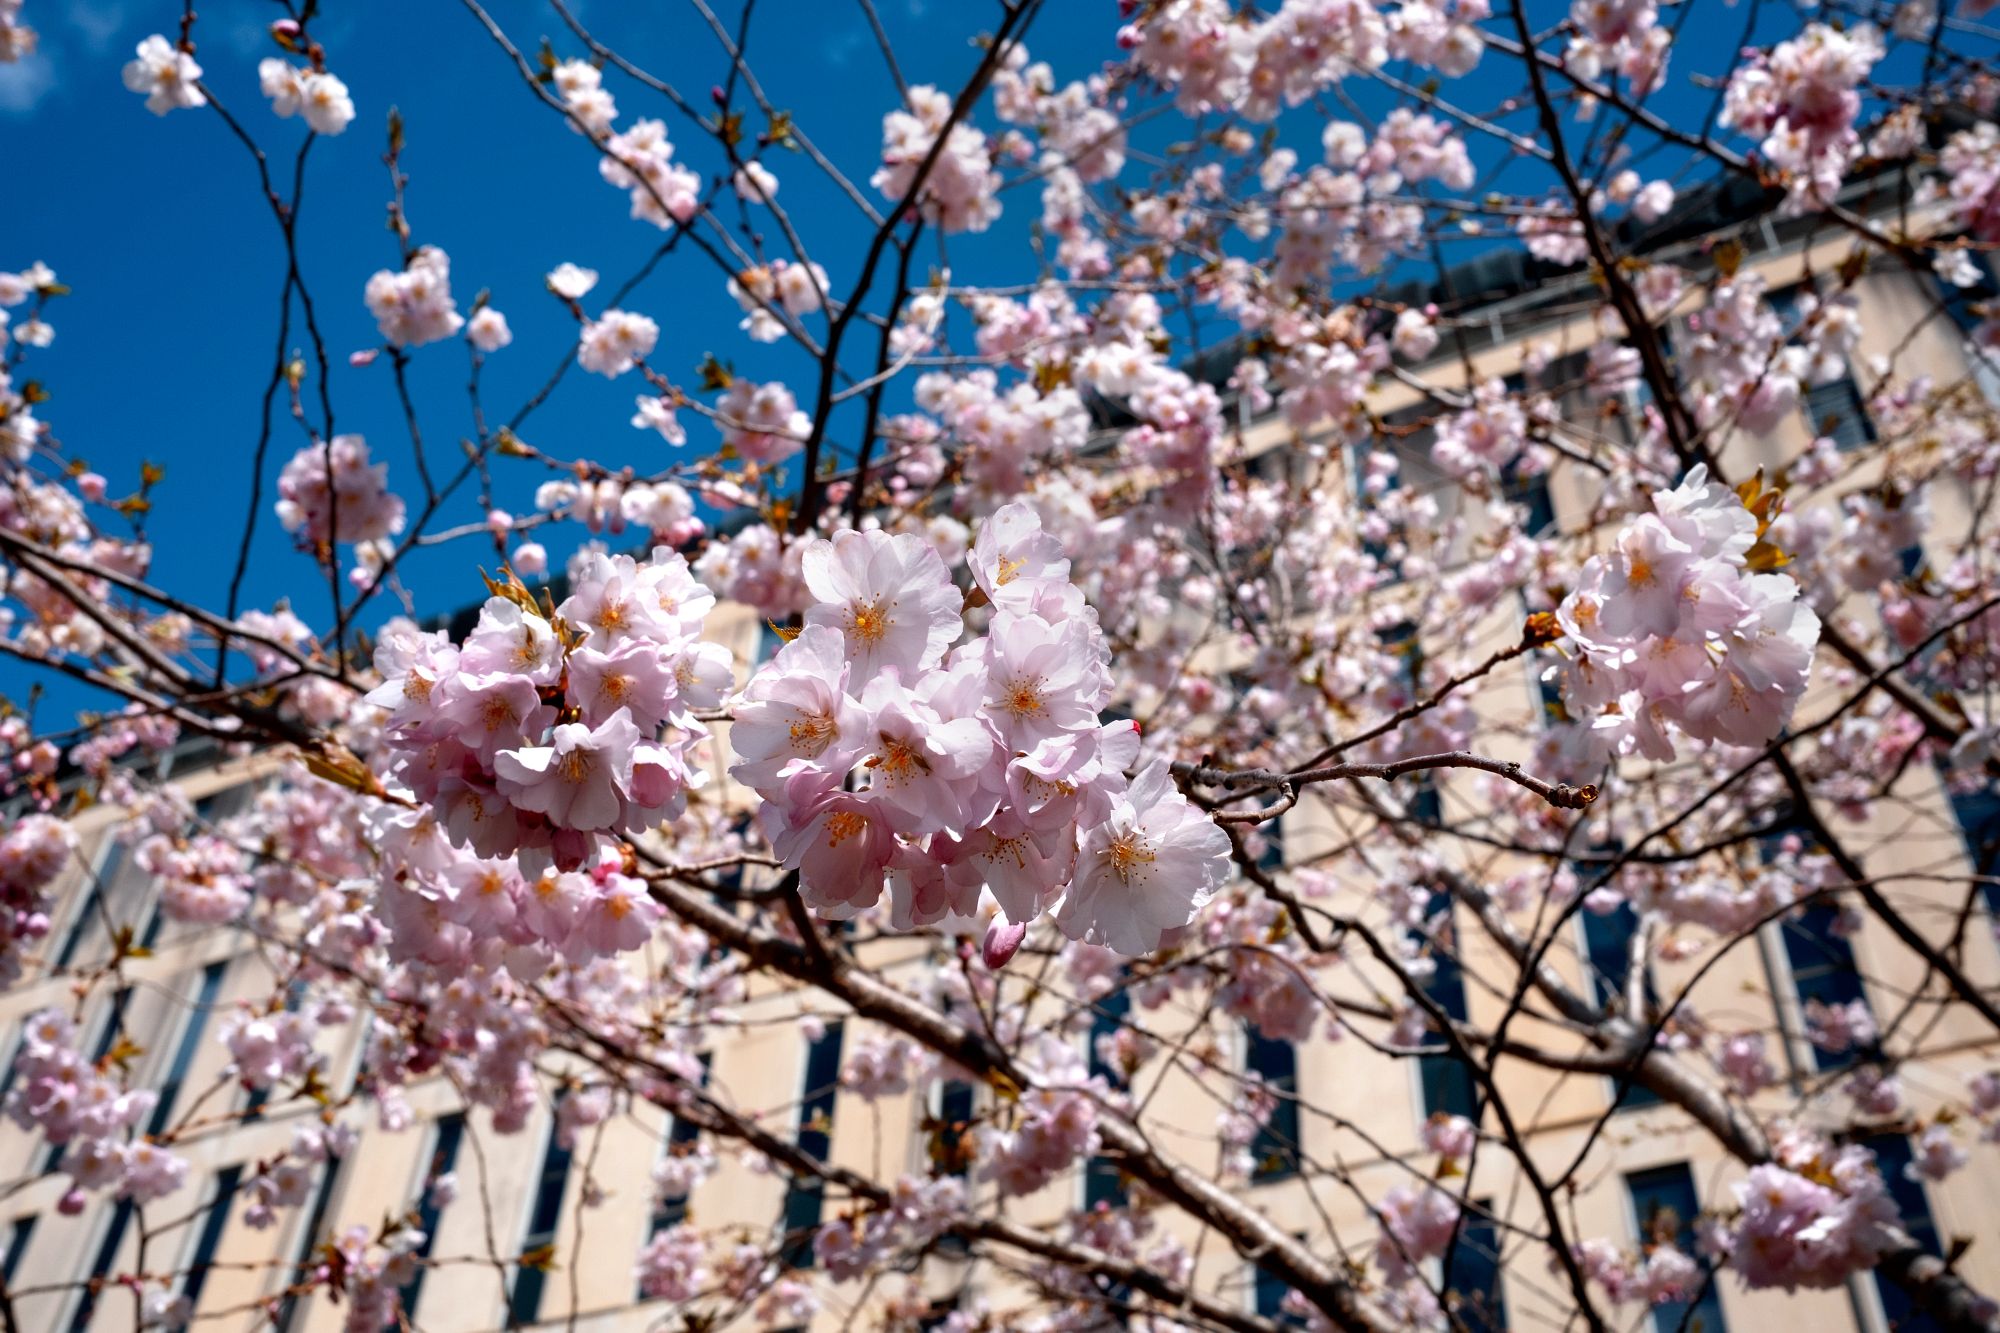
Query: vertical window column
{"points": [[1472, 1273], [1275, 1151], [213, 1223], [1448, 1085], [524, 1302], [682, 1136], [806, 1198], [1101, 1182], [1892, 1157], [444, 1158], [1664, 1207]]}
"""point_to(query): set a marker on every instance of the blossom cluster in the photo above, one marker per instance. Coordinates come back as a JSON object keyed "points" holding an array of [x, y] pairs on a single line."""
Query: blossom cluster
{"points": [[167, 75], [415, 307], [17, 39], [921, 1209], [889, 753], [331, 492], [1674, 626], [62, 1094], [33, 852], [314, 94], [958, 192], [541, 734], [1801, 100], [641, 159], [1810, 1219]]}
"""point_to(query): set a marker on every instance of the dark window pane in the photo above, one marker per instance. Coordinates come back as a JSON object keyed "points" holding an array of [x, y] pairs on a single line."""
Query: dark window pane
{"points": [[212, 1224], [1275, 1151], [806, 1197], [100, 1266], [18, 1237], [1823, 970], [1607, 942], [1472, 1273], [1101, 1181], [309, 1241], [682, 1136], [444, 1160], [1663, 1200], [1448, 1084], [524, 1302], [1892, 1156], [1978, 814], [190, 1043]]}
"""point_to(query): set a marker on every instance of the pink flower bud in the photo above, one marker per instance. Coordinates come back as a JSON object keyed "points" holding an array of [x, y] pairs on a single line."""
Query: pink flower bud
{"points": [[1003, 940]]}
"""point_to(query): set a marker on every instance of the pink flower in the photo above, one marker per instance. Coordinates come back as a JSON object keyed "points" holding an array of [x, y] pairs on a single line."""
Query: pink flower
{"points": [[890, 596], [617, 918], [1147, 869], [1416, 1225], [615, 342], [1042, 679], [923, 766], [1451, 1137], [1012, 555], [796, 712], [634, 678], [580, 779], [841, 849]]}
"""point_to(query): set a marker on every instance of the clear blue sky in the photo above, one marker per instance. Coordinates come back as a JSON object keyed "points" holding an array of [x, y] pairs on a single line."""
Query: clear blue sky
{"points": [[176, 265]]}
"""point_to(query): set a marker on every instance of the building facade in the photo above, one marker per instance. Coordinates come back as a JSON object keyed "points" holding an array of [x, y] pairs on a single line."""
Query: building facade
{"points": [[1637, 1170]]}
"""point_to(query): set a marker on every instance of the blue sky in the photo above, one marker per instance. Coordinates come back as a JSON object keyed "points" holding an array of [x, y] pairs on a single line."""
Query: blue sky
{"points": [[176, 265]]}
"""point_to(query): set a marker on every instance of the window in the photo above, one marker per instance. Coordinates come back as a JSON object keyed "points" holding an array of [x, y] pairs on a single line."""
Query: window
{"points": [[1607, 940], [1271, 1291], [1819, 958], [1269, 839], [1472, 1273], [1835, 409], [118, 895], [1664, 1207], [953, 1152], [1275, 1151], [257, 1098], [18, 1237], [1892, 1158], [190, 1044], [682, 1136], [1101, 1182], [1401, 642], [87, 913], [1823, 970], [8, 1072], [1389, 570], [1978, 815], [1531, 492], [210, 1240], [444, 1158], [309, 1239], [524, 1303], [1448, 1085], [805, 1198], [100, 1266], [1959, 303]]}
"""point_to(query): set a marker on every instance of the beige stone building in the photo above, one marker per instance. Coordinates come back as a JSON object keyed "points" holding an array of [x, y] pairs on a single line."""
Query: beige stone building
{"points": [[1640, 1171]]}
